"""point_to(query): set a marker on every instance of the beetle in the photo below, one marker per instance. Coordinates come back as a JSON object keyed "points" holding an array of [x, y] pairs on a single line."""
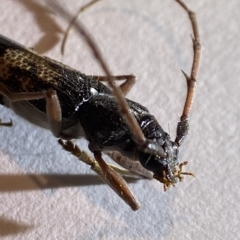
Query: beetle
{"points": [[72, 105]]}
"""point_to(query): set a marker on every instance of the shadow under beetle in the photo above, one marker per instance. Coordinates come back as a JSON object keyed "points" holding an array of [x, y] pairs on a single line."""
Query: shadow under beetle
{"points": [[73, 105]]}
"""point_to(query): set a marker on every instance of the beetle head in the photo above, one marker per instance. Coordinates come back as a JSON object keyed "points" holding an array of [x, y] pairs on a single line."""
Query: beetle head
{"points": [[165, 168]]}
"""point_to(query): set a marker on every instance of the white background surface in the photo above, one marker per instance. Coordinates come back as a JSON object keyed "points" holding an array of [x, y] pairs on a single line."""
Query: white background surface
{"points": [[47, 194]]}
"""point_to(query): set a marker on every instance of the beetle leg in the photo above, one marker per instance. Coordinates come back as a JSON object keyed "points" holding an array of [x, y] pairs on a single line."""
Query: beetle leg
{"points": [[116, 182], [22, 96], [81, 155], [53, 107], [84, 157], [125, 86], [133, 166], [54, 112], [124, 172], [106, 172]]}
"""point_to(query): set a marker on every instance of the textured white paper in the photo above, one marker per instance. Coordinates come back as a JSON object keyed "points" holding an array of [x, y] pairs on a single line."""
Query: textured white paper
{"points": [[45, 193]]}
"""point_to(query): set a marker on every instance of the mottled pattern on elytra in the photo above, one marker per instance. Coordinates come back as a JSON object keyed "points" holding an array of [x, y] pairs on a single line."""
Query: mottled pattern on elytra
{"points": [[23, 70], [17, 58]]}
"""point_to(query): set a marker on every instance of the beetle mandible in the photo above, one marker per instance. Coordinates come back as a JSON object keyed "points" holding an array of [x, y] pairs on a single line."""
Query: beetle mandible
{"points": [[73, 105]]}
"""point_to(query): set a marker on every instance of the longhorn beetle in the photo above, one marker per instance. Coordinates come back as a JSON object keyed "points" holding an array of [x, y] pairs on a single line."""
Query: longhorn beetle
{"points": [[73, 105]]}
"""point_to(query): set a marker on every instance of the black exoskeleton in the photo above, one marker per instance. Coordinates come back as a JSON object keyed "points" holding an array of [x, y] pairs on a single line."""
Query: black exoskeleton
{"points": [[88, 109]]}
